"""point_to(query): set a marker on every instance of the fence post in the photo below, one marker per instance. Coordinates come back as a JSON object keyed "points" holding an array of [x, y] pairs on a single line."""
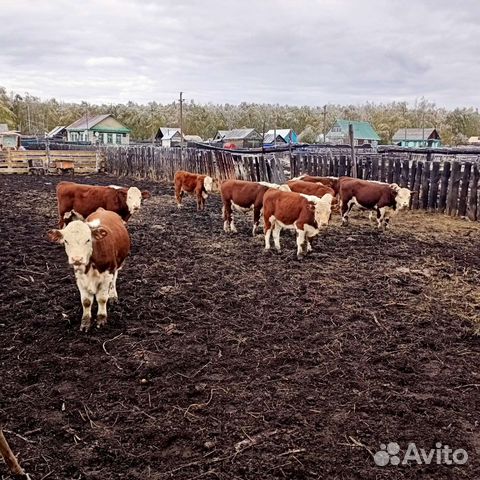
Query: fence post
{"points": [[434, 184], [416, 186], [442, 198], [462, 202], [472, 209], [452, 195]]}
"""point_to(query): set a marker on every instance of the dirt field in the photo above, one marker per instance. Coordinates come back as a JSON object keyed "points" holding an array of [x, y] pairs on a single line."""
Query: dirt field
{"points": [[311, 365]]}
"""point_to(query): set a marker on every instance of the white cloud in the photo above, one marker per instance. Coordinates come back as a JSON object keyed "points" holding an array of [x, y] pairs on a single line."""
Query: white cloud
{"points": [[282, 51]]}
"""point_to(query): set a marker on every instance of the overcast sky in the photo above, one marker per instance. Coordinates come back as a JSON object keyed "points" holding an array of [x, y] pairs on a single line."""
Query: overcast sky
{"points": [[269, 51]]}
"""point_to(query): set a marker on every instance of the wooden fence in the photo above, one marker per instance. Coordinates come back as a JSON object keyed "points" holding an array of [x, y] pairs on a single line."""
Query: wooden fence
{"points": [[159, 163], [53, 161], [446, 186]]}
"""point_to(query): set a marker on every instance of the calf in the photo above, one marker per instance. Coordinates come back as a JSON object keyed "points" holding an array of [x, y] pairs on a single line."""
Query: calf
{"points": [[383, 198], [85, 199], [96, 248], [332, 182], [303, 213], [242, 196], [198, 185]]}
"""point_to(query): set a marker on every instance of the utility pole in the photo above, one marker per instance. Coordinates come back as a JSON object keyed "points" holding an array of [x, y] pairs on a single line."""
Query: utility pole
{"points": [[181, 125], [324, 124]]}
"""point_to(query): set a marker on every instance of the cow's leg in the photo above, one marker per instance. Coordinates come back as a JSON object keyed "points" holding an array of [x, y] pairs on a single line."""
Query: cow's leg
{"points": [[256, 218], [268, 232], [112, 291], [381, 218], [86, 296], [227, 216], [178, 194], [300, 243], [346, 209], [276, 236], [102, 298]]}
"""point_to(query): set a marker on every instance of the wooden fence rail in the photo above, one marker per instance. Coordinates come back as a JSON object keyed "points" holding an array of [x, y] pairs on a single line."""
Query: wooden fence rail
{"points": [[159, 163]]}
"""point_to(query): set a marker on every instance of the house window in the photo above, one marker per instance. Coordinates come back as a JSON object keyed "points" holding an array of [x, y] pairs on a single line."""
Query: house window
{"points": [[119, 138], [74, 136], [109, 138]]}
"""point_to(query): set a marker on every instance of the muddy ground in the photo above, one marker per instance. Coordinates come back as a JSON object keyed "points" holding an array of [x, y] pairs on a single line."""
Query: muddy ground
{"points": [[224, 362]]}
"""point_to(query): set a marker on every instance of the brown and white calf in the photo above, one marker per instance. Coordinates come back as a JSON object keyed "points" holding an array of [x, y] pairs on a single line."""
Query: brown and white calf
{"points": [[383, 198], [243, 196], [96, 249], [85, 199], [305, 214], [198, 185], [332, 182]]}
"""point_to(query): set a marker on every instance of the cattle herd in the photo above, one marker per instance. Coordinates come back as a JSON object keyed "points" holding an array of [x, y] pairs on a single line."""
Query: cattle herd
{"points": [[93, 219]]}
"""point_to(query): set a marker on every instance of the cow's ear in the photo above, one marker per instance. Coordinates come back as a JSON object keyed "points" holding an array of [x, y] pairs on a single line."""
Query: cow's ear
{"points": [[55, 236], [72, 215], [146, 194], [99, 233]]}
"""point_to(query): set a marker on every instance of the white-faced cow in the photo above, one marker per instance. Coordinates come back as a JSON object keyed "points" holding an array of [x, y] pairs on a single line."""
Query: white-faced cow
{"points": [[305, 214], [383, 198], [198, 185], [243, 196], [85, 199], [96, 248]]}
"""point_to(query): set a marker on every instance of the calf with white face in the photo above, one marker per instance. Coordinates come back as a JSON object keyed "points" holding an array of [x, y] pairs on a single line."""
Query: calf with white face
{"points": [[96, 249]]}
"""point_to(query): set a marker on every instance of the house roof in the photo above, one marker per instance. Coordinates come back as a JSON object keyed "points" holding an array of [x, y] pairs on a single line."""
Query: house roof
{"points": [[474, 140], [91, 122], [413, 134], [269, 138], [55, 131], [168, 132], [283, 132], [193, 138], [361, 130], [236, 134]]}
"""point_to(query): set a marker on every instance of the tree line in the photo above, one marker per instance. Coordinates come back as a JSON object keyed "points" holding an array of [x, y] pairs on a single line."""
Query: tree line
{"points": [[34, 116]]}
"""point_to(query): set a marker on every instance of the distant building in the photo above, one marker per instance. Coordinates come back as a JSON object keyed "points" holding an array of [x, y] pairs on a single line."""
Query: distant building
{"points": [[417, 137], [287, 134], [193, 138], [59, 133], [268, 140], [363, 133], [101, 129], [239, 138], [9, 139], [3, 127], [169, 137], [474, 141]]}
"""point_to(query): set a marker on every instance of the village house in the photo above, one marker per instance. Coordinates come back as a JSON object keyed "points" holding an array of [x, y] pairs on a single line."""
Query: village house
{"points": [[101, 129], [282, 136], [417, 137], [363, 133], [239, 138], [169, 137]]}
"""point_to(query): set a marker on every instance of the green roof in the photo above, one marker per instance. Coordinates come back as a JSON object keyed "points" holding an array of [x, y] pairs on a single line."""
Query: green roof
{"points": [[361, 130]]}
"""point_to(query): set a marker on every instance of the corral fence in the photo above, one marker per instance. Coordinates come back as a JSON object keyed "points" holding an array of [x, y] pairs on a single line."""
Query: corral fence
{"points": [[160, 163], [446, 183], [51, 161]]}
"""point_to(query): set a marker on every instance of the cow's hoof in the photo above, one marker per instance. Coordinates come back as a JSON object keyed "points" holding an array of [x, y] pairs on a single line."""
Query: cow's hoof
{"points": [[101, 320], [85, 324]]}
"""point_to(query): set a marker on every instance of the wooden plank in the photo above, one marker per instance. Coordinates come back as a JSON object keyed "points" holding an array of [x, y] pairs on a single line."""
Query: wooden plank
{"points": [[375, 168], [472, 209], [342, 167], [383, 168], [444, 182], [452, 195], [390, 166], [434, 186], [425, 185], [465, 181], [405, 173], [413, 170], [397, 171], [416, 187]]}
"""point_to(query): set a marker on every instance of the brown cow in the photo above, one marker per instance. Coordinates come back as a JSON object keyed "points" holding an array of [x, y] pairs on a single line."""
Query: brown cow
{"points": [[303, 213], [85, 199], [383, 198], [314, 188], [332, 182], [242, 196], [198, 185], [96, 248]]}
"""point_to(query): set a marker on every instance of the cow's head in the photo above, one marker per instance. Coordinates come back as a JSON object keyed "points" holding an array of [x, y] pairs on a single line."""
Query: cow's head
{"points": [[323, 210], [78, 237], [134, 199], [402, 196], [211, 185]]}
